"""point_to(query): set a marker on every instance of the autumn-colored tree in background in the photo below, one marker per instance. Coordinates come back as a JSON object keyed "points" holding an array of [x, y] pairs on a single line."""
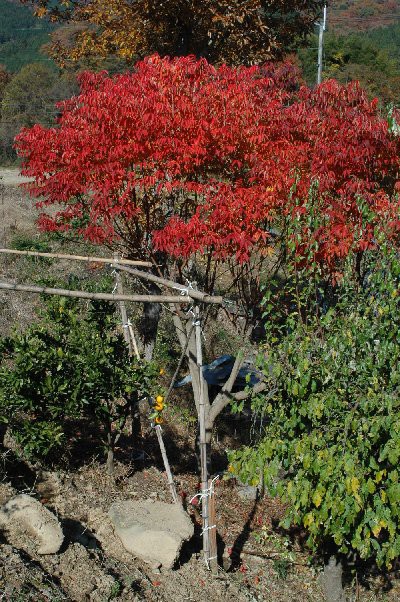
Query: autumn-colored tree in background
{"points": [[241, 32], [183, 157]]}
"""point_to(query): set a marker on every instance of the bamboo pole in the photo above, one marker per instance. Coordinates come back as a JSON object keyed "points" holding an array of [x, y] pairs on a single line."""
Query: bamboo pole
{"points": [[85, 295], [145, 264], [204, 297], [166, 464], [122, 309], [203, 444], [133, 339]]}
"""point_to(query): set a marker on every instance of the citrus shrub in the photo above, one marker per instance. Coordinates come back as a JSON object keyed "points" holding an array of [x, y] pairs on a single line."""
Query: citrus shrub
{"points": [[331, 444], [75, 364]]}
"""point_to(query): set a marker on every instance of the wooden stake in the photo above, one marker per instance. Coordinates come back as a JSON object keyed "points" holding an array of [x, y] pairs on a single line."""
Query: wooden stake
{"points": [[213, 559], [203, 443], [144, 264], [134, 343], [166, 464], [122, 309]]}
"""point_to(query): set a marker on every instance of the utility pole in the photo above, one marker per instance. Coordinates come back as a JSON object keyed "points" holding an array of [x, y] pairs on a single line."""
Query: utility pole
{"points": [[322, 27]]}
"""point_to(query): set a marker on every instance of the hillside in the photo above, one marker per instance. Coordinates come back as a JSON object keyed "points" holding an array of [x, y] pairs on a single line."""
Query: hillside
{"points": [[356, 15], [21, 36]]}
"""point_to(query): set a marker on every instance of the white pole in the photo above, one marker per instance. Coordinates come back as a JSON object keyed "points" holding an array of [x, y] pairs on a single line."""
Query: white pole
{"points": [[322, 27]]}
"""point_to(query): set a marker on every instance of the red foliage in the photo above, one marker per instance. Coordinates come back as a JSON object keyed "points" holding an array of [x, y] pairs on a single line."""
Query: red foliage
{"points": [[182, 157]]}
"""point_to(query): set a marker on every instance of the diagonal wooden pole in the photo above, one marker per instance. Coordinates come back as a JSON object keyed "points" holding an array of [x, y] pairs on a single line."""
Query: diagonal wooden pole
{"points": [[105, 260], [167, 467], [62, 292]]}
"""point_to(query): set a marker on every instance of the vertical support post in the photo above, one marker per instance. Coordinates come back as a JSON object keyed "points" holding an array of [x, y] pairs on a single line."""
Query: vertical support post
{"points": [[213, 559], [203, 443], [166, 464], [322, 27], [122, 307]]}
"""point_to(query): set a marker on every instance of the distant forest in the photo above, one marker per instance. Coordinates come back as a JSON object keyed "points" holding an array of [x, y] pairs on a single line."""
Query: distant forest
{"points": [[21, 36]]}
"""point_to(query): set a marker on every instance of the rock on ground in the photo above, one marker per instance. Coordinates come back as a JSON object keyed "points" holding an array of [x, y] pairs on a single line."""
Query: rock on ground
{"points": [[153, 531], [27, 513]]}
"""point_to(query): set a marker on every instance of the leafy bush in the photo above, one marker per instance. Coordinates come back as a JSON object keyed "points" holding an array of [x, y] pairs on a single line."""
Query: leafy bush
{"points": [[74, 365], [331, 446]]}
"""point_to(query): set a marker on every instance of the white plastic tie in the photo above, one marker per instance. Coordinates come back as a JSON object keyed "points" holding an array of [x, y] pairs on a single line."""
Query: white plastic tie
{"points": [[184, 292], [206, 493], [208, 529]]}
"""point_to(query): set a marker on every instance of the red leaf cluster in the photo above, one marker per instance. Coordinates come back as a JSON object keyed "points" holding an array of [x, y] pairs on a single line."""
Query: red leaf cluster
{"points": [[183, 157]]}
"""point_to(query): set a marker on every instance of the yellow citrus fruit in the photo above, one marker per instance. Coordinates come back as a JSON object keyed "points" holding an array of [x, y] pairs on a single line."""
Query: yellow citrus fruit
{"points": [[158, 420], [162, 371], [159, 399]]}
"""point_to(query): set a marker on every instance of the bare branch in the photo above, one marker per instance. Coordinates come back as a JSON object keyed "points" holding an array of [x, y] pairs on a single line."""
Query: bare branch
{"points": [[226, 396], [223, 398]]}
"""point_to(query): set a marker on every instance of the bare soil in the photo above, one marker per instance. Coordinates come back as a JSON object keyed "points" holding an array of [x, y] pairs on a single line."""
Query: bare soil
{"points": [[92, 565]]}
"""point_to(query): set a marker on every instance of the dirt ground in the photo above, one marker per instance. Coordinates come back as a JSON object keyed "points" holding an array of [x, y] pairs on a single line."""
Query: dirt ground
{"points": [[258, 562]]}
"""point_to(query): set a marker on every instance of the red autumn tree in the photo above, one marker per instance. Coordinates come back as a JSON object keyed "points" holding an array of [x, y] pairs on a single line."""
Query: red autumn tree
{"points": [[183, 157]]}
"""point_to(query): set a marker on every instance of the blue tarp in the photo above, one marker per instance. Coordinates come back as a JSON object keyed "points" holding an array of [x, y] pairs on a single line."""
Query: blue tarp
{"points": [[217, 373]]}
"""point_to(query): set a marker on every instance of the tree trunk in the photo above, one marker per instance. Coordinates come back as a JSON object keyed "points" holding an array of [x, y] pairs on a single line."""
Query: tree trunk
{"points": [[110, 453], [136, 426], [149, 323], [332, 580]]}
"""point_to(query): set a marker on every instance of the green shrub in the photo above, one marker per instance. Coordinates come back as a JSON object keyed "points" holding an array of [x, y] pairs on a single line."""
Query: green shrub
{"points": [[331, 445], [74, 365]]}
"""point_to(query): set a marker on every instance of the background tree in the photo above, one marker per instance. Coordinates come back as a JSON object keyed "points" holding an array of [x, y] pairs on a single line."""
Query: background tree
{"points": [[355, 58], [29, 98], [242, 32], [5, 77], [22, 36]]}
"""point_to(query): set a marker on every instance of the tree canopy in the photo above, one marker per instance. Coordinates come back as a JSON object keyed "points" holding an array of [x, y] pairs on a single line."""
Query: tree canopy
{"points": [[183, 157], [244, 32]]}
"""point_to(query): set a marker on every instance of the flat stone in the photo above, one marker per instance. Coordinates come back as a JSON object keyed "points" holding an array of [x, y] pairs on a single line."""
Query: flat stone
{"points": [[24, 511], [152, 531]]}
